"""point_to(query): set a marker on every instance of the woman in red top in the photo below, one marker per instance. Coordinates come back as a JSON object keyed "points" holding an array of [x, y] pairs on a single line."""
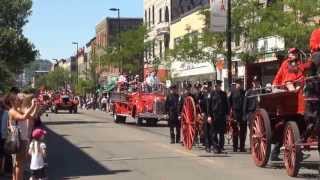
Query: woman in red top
{"points": [[291, 70]]}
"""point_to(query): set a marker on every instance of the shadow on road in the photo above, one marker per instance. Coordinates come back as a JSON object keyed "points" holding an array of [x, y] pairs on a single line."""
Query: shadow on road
{"points": [[214, 155], [68, 161], [74, 122], [310, 165]]}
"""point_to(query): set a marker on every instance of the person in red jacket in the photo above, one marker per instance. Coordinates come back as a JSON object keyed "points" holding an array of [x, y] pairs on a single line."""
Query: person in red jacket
{"points": [[312, 106], [291, 70], [315, 41]]}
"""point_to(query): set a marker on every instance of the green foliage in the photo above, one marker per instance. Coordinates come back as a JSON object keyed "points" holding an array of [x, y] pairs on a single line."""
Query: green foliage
{"points": [[84, 86], [248, 57], [129, 56], [290, 19], [251, 21], [56, 79], [15, 49], [197, 47]]}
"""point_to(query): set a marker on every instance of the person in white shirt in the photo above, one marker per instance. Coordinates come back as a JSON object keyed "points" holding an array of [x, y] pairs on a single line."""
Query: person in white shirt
{"points": [[37, 151], [104, 101]]}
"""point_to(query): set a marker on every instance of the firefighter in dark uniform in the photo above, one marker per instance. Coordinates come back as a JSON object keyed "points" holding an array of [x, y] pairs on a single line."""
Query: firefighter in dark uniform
{"points": [[250, 101], [204, 99], [218, 110], [172, 109], [187, 87], [236, 103]]}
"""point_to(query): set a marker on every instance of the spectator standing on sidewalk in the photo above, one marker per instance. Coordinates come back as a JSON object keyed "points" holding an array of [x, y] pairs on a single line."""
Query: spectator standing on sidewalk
{"points": [[104, 103], [171, 106], [37, 151], [18, 121], [3, 130], [108, 102]]}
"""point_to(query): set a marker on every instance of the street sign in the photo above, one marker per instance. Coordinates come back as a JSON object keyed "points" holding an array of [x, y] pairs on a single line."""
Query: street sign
{"points": [[218, 20]]}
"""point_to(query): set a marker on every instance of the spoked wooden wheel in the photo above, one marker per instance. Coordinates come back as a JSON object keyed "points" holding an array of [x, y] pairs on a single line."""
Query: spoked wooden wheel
{"points": [[292, 152], [260, 138], [188, 122]]}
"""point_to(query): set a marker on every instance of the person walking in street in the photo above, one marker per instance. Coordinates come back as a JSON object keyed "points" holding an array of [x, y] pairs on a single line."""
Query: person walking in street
{"points": [[250, 103], [218, 109], [172, 109], [37, 151], [104, 101], [236, 103], [204, 100]]}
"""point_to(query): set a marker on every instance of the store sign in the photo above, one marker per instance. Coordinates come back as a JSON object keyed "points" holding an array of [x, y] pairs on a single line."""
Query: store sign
{"points": [[218, 15], [181, 69]]}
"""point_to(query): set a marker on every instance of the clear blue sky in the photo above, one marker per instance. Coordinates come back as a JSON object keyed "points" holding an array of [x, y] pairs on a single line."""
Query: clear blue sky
{"points": [[54, 24]]}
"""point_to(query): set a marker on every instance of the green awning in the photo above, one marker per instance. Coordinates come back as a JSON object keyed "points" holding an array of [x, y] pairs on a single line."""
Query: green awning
{"points": [[112, 83], [109, 87]]}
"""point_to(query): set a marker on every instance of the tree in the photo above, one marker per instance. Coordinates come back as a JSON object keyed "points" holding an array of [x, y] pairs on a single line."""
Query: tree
{"points": [[15, 49], [290, 19], [55, 80], [251, 21], [197, 47], [84, 86], [130, 54]]}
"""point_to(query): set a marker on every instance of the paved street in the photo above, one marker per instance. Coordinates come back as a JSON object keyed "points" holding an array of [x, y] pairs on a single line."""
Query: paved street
{"points": [[90, 146]]}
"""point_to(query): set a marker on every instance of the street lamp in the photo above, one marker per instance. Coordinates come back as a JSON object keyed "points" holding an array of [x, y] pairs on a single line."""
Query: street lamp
{"points": [[76, 43], [119, 30]]}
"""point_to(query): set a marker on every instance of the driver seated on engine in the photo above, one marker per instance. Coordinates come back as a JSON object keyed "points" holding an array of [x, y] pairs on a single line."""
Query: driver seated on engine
{"points": [[291, 72]]}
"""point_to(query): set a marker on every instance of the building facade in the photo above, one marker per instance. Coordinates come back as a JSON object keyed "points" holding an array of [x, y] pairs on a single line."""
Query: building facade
{"points": [[28, 73], [187, 20], [107, 32], [82, 64], [157, 18]]}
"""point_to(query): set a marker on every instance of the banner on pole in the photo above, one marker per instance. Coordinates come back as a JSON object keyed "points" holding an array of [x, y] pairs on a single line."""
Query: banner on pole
{"points": [[218, 10]]}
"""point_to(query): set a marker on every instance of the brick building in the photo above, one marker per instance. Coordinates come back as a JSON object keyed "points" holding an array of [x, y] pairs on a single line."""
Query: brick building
{"points": [[106, 35]]}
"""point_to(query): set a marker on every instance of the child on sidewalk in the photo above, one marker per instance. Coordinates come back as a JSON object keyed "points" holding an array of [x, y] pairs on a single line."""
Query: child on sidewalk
{"points": [[37, 150]]}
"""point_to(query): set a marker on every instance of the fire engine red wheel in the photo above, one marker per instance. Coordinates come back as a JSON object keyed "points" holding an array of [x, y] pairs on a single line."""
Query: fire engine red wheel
{"points": [[188, 122], [292, 152], [260, 138]]}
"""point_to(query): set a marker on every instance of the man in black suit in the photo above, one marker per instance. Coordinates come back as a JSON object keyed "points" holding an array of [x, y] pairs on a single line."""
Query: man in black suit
{"points": [[172, 109], [218, 110]]}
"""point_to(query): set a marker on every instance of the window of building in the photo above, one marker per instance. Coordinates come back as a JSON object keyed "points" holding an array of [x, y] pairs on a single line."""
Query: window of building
{"points": [[145, 17], [153, 15], [160, 48], [153, 49], [166, 41], [146, 53], [177, 41], [237, 39], [149, 51], [160, 15], [167, 14], [149, 22]]}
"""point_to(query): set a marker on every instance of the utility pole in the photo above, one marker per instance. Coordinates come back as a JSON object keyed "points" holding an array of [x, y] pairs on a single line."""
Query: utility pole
{"points": [[77, 65], [229, 50]]}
